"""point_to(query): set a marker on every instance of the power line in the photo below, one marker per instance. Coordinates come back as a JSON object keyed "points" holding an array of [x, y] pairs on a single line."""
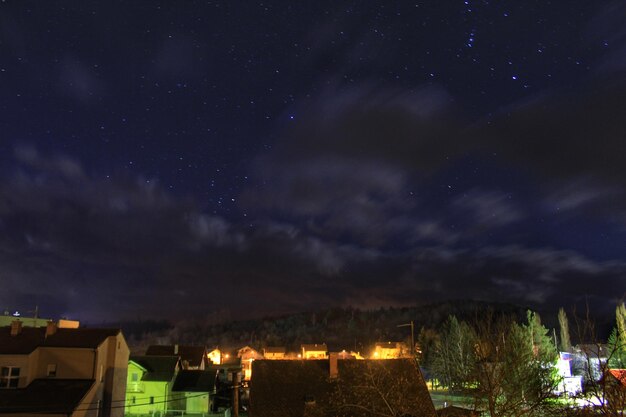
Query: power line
{"points": [[46, 407]]}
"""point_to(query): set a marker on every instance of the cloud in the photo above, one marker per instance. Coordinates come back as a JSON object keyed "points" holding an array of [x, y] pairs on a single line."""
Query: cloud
{"points": [[488, 208], [66, 233], [334, 196]]}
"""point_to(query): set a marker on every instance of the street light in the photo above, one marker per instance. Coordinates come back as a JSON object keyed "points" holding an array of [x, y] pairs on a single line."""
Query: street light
{"points": [[412, 335]]}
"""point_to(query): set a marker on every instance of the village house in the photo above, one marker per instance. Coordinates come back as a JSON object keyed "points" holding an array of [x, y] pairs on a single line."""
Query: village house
{"points": [[50, 371], [391, 350], [615, 387], [149, 385], [215, 356], [568, 384], [274, 353], [197, 390], [314, 351], [247, 355]]}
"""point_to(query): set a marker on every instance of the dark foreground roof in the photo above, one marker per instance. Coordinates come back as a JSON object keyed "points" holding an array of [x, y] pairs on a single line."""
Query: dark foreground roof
{"points": [[194, 355], [195, 381], [298, 388], [30, 338], [45, 396], [158, 368]]}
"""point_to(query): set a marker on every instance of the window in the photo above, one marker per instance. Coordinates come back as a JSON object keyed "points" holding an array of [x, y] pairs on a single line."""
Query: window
{"points": [[133, 400], [151, 400], [134, 377], [52, 370], [9, 377]]}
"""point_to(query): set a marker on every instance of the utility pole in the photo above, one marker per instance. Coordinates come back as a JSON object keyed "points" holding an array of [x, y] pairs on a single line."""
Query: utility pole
{"points": [[412, 335], [235, 404]]}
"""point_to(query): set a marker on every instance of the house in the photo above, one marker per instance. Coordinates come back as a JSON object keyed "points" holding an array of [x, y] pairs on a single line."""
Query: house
{"points": [[314, 351], [149, 385], [569, 384], [615, 389], [247, 355], [619, 377], [74, 372], [274, 353], [391, 350], [331, 387], [589, 360], [198, 390], [191, 357], [215, 356], [7, 319]]}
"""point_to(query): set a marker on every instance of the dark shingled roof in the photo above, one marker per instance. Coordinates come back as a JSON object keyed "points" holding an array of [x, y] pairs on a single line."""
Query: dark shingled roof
{"points": [[158, 368], [279, 387], [195, 381], [298, 388], [30, 338], [194, 355], [315, 346], [275, 349], [45, 396]]}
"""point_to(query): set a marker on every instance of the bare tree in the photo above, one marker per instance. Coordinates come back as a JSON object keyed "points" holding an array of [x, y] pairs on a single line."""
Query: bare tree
{"points": [[383, 388]]}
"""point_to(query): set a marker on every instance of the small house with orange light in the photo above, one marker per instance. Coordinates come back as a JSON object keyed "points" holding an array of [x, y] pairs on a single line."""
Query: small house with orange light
{"points": [[247, 356], [274, 353], [314, 351], [390, 350]]}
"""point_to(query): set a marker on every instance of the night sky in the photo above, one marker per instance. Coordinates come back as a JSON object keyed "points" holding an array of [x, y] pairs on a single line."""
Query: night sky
{"points": [[177, 159]]}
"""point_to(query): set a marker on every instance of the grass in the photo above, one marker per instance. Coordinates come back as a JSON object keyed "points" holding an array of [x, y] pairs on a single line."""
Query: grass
{"points": [[442, 398]]}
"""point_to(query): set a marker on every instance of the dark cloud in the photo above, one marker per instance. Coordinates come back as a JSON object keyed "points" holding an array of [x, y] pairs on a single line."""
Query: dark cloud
{"points": [[488, 208], [92, 248]]}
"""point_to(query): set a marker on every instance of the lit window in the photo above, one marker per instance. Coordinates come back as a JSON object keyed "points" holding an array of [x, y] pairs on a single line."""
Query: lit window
{"points": [[52, 370], [9, 377]]}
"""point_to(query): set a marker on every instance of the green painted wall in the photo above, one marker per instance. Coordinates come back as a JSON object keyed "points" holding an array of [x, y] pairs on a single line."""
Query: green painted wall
{"points": [[146, 397], [197, 402]]}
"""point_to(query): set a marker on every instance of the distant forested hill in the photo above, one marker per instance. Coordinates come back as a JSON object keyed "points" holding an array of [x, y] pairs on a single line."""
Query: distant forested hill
{"points": [[341, 328]]}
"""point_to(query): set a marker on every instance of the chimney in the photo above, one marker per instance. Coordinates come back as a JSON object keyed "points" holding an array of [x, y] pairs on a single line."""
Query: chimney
{"points": [[51, 328], [16, 327], [334, 370], [176, 349]]}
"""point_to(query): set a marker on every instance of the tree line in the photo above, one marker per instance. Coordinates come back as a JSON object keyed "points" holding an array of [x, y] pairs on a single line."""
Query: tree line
{"points": [[507, 366]]}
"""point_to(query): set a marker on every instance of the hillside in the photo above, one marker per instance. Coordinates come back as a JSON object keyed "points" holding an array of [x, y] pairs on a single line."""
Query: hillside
{"points": [[341, 328]]}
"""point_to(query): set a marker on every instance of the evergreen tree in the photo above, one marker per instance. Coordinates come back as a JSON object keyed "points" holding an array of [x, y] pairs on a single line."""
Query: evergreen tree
{"points": [[617, 340], [514, 375], [566, 343], [454, 354], [542, 345]]}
